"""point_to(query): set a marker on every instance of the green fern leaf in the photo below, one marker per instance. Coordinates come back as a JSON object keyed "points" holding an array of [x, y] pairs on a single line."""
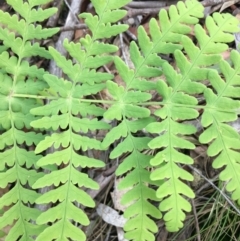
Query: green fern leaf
{"points": [[85, 109], [87, 90], [67, 193], [34, 3], [211, 45], [19, 195], [70, 110], [222, 108], [9, 64], [171, 139], [18, 161], [101, 6], [140, 210], [178, 105], [20, 26], [109, 14], [139, 226], [127, 105], [94, 48], [49, 123], [15, 44], [12, 22], [162, 40]]}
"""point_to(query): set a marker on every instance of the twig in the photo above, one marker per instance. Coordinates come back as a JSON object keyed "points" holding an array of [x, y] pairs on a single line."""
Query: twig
{"points": [[207, 184], [52, 21], [148, 4], [196, 220], [103, 182], [213, 185], [109, 171], [206, 3], [70, 21], [131, 35], [163, 4], [74, 13], [122, 48], [73, 27], [146, 11]]}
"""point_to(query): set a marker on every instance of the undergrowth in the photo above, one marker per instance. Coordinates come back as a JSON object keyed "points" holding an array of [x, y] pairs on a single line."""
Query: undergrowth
{"points": [[48, 123]]}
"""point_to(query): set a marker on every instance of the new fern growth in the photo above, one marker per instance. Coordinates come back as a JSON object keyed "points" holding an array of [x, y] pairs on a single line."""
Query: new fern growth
{"points": [[153, 146]]}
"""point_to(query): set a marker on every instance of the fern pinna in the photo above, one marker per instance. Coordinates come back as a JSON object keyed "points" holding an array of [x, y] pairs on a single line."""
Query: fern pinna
{"points": [[149, 134], [19, 81]]}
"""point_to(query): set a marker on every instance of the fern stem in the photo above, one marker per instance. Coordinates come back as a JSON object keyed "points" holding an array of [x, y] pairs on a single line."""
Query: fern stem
{"points": [[111, 102], [16, 166], [36, 96]]}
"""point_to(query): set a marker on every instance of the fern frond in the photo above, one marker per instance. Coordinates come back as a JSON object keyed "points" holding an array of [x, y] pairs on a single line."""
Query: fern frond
{"points": [[25, 27], [148, 132], [211, 45], [14, 158], [165, 38], [29, 13], [134, 118], [10, 41], [177, 106], [221, 108], [110, 13], [18, 161], [71, 111], [83, 73]]}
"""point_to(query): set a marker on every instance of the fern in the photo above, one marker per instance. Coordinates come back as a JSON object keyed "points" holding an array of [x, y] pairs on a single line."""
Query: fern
{"points": [[178, 105], [125, 108], [222, 107], [76, 116], [147, 63], [150, 136], [17, 77]]}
